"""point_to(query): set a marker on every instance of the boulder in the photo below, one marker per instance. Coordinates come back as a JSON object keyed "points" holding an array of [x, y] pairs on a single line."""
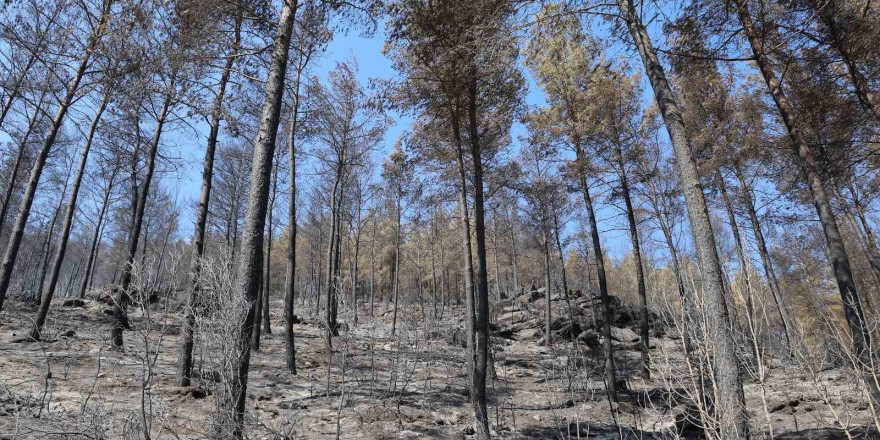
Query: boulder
{"points": [[623, 335], [569, 331], [528, 334], [510, 318], [536, 294], [591, 339]]}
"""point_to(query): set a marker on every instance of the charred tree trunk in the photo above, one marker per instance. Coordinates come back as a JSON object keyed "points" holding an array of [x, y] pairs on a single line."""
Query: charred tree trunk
{"points": [[397, 239], [96, 237], [120, 315], [769, 272], [644, 342], [27, 201], [267, 276], [743, 265], [548, 319], [836, 251], [733, 418], [565, 292], [16, 166], [607, 314], [49, 291], [866, 232], [184, 356], [290, 291], [468, 274], [481, 293], [250, 259]]}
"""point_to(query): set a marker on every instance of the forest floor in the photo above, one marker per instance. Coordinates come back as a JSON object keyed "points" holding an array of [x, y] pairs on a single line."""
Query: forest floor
{"points": [[412, 386]]}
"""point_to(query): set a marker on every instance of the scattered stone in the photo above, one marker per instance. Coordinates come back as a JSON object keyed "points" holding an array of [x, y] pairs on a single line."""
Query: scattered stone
{"points": [[73, 302], [198, 393], [779, 405], [292, 405]]}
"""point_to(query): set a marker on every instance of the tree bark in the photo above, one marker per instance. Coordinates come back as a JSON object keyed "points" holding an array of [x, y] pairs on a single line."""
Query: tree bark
{"points": [[250, 258], [565, 291], [123, 297], [397, 226], [769, 272], [49, 290], [733, 418], [644, 342], [610, 370], [267, 277], [93, 249], [866, 231], [16, 166], [743, 265], [184, 356], [468, 275], [548, 319], [290, 291], [481, 293]]}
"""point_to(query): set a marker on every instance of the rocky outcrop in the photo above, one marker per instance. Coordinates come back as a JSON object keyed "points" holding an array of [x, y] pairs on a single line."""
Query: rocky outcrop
{"points": [[522, 318]]}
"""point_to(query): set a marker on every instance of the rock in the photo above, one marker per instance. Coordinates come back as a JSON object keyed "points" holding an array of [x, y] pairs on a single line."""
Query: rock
{"points": [[660, 398], [531, 323], [199, 393], [512, 318], [504, 306], [776, 405], [623, 335], [528, 334], [830, 434], [591, 339], [73, 302], [568, 332], [623, 407], [292, 405]]}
